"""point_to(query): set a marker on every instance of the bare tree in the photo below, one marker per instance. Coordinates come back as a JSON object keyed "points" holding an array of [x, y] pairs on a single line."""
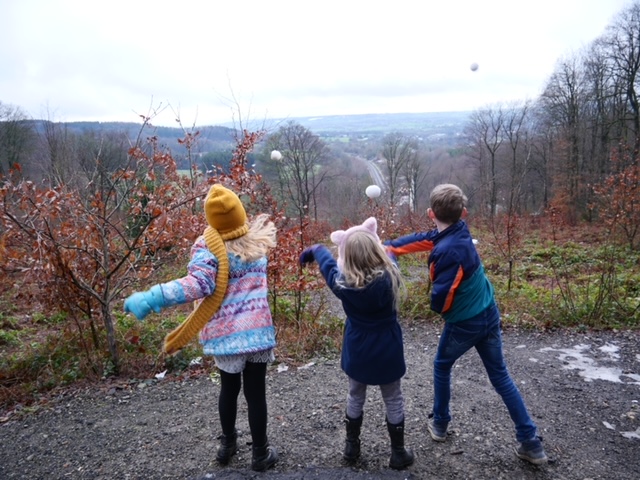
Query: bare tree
{"points": [[301, 170], [97, 156], [604, 110], [57, 149], [622, 40], [541, 161], [563, 100], [416, 171], [485, 134], [518, 144], [397, 151], [16, 137]]}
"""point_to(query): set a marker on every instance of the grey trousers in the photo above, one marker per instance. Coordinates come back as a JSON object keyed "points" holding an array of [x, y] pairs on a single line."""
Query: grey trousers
{"points": [[391, 396]]}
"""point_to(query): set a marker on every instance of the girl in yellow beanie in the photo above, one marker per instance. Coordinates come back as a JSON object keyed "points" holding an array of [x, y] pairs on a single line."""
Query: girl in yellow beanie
{"points": [[227, 275]]}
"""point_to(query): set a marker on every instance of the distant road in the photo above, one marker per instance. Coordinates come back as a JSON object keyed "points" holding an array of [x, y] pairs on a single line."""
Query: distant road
{"points": [[376, 175]]}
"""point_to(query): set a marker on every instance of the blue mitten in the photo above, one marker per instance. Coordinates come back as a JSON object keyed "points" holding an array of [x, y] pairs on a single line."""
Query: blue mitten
{"points": [[141, 303], [307, 255]]}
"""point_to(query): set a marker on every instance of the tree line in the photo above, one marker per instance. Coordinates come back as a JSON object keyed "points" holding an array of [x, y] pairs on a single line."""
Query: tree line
{"points": [[531, 155]]}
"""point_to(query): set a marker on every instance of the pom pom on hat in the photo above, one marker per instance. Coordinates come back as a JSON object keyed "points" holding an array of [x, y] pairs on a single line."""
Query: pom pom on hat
{"points": [[339, 237], [225, 212]]}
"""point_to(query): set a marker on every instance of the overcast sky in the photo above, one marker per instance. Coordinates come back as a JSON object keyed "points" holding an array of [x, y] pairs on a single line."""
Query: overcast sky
{"points": [[113, 60]]}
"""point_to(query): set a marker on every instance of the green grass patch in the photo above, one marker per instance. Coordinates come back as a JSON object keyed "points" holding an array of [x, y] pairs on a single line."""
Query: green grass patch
{"points": [[307, 331], [552, 284], [571, 284]]}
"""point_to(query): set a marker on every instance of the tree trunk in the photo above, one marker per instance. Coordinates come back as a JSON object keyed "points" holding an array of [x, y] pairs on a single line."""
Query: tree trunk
{"points": [[111, 337]]}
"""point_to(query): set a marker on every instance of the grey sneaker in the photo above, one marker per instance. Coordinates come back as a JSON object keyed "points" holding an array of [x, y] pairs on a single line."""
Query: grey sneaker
{"points": [[438, 433], [532, 451]]}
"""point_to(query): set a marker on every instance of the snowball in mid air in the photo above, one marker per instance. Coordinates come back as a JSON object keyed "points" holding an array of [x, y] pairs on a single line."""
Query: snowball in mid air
{"points": [[276, 155], [474, 67], [373, 191]]}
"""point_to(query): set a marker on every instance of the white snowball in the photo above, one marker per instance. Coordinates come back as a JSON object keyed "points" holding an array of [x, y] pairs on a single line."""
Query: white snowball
{"points": [[373, 191]]}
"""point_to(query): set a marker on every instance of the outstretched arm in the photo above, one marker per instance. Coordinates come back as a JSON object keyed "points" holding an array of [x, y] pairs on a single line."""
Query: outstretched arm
{"points": [[326, 262], [412, 243]]}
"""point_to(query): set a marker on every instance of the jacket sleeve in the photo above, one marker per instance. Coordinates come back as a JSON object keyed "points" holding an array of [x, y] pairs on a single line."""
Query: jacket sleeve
{"points": [[446, 273], [328, 265], [200, 280], [412, 243]]}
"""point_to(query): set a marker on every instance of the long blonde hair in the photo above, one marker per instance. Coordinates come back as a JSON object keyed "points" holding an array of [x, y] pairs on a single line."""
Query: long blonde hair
{"points": [[256, 242], [365, 260]]}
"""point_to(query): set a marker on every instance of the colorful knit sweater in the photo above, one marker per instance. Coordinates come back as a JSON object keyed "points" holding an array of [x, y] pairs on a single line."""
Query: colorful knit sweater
{"points": [[243, 323]]}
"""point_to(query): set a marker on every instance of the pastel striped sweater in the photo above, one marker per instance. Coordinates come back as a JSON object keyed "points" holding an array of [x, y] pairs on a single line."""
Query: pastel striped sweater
{"points": [[243, 324]]}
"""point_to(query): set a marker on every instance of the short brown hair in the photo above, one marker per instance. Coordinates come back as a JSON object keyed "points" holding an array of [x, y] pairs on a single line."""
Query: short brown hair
{"points": [[447, 202]]}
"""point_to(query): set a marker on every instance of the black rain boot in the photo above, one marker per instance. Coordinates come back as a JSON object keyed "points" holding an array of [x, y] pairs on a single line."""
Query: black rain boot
{"points": [[400, 457], [352, 442], [228, 447], [263, 457]]}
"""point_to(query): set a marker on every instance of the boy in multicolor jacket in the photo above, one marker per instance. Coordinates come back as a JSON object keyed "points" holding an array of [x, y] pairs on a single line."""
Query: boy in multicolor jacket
{"points": [[464, 296]]}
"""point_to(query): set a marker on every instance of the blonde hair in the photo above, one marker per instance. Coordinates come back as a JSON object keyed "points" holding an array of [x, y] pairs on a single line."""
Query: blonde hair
{"points": [[364, 261], [256, 242]]}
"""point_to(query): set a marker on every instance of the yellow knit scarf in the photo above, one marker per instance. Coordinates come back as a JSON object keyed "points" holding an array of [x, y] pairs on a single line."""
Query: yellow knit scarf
{"points": [[179, 337]]}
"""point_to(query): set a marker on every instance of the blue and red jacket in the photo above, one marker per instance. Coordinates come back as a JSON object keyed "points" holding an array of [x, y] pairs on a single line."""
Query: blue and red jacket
{"points": [[460, 288]]}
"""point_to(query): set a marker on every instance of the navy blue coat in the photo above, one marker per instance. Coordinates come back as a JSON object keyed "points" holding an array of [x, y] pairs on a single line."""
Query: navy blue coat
{"points": [[460, 288], [372, 346]]}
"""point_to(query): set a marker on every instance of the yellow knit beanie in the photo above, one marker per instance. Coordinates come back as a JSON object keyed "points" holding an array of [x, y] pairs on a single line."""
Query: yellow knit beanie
{"points": [[225, 212], [227, 220]]}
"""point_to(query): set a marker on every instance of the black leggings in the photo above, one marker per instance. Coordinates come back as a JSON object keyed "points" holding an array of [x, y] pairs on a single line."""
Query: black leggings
{"points": [[253, 378]]}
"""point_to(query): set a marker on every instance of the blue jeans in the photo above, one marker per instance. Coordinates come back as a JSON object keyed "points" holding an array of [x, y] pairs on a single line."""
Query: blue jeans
{"points": [[482, 332]]}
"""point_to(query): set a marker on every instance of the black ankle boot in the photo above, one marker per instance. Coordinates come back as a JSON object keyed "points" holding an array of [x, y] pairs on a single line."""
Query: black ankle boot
{"points": [[400, 457], [352, 442], [263, 458], [228, 447]]}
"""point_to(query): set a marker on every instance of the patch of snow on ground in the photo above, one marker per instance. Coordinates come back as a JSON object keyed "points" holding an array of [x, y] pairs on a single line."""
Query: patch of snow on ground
{"points": [[612, 350], [577, 358], [635, 434]]}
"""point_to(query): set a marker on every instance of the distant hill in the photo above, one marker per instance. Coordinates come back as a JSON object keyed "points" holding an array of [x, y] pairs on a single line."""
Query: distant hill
{"points": [[431, 127], [212, 138], [441, 127], [383, 123]]}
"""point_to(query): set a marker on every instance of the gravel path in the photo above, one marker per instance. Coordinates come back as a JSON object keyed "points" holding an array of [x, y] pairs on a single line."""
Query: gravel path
{"points": [[582, 390]]}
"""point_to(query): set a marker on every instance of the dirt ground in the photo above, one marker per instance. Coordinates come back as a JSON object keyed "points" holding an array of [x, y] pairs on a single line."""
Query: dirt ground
{"points": [[581, 389]]}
